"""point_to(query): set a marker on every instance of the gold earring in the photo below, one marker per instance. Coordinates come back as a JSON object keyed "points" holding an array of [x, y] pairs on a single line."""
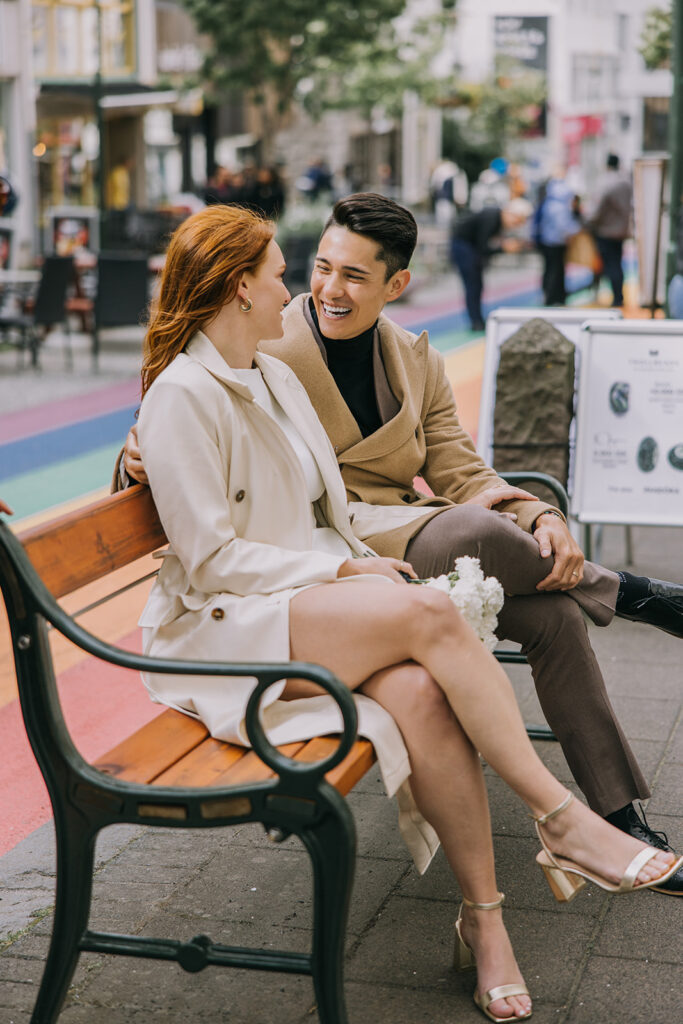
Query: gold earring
{"points": [[246, 306]]}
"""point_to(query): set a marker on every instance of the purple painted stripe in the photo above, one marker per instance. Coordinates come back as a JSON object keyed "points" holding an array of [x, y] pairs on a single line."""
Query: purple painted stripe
{"points": [[412, 315], [417, 317], [52, 415]]}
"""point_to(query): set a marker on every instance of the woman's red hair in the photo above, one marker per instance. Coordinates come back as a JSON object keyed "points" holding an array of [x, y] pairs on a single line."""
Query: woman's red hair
{"points": [[206, 258]]}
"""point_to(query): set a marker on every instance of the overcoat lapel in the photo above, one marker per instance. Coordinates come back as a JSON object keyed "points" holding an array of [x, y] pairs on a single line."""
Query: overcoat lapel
{"points": [[405, 373]]}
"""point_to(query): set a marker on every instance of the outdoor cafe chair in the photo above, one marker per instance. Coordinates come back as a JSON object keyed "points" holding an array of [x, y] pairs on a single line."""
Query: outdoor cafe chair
{"points": [[47, 309], [122, 293]]}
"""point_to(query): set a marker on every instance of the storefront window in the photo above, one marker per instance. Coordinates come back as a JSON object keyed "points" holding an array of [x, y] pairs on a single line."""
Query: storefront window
{"points": [[67, 166], [65, 37]]}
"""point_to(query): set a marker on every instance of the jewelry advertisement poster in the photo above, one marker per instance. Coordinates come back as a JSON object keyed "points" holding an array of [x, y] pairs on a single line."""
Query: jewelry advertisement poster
{"points": [[629, 448]]}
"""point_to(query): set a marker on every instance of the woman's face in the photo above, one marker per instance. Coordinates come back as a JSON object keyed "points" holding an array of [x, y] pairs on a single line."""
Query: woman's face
{"points": [[269, 296]]}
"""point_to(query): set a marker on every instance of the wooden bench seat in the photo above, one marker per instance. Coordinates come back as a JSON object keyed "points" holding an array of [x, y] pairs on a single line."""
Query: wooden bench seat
{"points": [[170, 772]]}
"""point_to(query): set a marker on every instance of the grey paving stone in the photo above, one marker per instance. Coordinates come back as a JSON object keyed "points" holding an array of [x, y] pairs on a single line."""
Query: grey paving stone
{"points": [[147, 987], [518, 876], [19, 907], [669, 790], [614, 990], [377, 831], [644, 927], [20, 969], [417, 936], [674, 753], [645, 719], [15, 995]]}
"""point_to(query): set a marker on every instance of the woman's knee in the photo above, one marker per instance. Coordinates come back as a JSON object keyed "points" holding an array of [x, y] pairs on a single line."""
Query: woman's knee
{"points": [[413, 698], [430, 616]]}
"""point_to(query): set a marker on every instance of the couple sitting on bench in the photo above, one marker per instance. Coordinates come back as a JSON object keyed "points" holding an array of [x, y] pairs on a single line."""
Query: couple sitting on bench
{"points": [[268, 561]]}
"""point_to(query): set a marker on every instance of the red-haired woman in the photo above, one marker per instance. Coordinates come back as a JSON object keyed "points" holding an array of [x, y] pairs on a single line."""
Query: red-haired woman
{"points": [[263, 564]]}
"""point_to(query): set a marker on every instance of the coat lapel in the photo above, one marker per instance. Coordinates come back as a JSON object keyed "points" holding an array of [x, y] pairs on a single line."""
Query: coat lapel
{"points": [[404, 362]]}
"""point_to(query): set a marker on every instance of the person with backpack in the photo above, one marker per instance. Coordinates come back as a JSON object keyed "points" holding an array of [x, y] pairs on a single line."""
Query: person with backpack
{"points": [[555, 221]]}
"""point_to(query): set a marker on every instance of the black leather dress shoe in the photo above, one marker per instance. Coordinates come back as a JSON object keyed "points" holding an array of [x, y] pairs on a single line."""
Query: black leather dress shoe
{"points": [[628, 820], [663, 607]]}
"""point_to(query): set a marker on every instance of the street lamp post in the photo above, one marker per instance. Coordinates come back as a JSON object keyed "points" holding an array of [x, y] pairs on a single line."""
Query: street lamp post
{"points": [[675, 135], [99, 115]]}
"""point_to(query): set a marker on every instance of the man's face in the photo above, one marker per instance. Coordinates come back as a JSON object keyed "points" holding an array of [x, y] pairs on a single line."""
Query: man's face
{"points": [[348, 283]]}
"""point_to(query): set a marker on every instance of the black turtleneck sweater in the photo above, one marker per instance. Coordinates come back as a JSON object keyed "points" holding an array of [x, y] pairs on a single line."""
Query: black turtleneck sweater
{"points": [[351, 364]]}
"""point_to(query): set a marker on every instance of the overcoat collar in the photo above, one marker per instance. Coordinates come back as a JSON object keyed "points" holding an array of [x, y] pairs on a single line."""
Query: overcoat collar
{"points": [[404, 356], [387, 403], [287, 390]]}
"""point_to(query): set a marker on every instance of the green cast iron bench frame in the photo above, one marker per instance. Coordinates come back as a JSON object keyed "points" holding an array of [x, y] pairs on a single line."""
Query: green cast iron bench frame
{"points": [[157, 776], [151, 778]]}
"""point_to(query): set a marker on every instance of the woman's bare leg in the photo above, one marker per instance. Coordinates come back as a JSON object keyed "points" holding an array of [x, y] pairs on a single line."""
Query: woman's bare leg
{"points": [[448, 786], [357, 628]]}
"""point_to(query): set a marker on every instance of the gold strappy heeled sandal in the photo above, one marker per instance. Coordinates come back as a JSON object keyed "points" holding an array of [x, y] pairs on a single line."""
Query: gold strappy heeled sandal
{"points": [[566, 878], [464, 959]]}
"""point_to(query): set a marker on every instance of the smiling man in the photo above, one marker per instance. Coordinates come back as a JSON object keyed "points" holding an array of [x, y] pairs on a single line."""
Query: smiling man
{"points": [[387, 406]]}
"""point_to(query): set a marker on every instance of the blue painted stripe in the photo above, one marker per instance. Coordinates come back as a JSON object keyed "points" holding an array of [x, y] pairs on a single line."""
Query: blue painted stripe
{"points": [[529, 297], [31, 453]]}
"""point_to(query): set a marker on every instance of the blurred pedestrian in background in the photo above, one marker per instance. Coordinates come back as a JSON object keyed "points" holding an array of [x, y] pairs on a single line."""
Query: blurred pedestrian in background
{"points": [[609, 219], [316, 179], [555, 221], [449, 189], [476, 237]]}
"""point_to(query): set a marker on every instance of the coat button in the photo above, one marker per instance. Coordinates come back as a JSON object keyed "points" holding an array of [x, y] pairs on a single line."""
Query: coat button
{"points": [[217, 614], [240, 496]]}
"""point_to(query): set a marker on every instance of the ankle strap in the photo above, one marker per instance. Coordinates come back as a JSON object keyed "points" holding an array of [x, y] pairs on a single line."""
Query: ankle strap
{"points": [[485, 906], [541, 820]]}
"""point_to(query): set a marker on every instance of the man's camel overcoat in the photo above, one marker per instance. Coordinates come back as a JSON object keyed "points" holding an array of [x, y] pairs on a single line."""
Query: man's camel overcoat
{"points": [[423, 439]]}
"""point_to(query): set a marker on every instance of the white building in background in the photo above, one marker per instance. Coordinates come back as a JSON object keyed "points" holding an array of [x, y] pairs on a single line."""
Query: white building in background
{"points": [[17, 124], [600, 97]]}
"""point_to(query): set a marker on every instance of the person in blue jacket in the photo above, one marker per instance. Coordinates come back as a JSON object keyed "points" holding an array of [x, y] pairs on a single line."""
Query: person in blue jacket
{"points": [[555, 221]]}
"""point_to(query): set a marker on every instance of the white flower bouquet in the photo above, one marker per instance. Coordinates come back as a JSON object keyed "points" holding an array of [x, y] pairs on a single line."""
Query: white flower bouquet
{"points": [[479, 598]]}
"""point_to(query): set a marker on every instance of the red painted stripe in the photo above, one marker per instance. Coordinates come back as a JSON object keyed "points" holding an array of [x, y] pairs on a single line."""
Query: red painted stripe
{"points": [[48, 416], [102, 704]]}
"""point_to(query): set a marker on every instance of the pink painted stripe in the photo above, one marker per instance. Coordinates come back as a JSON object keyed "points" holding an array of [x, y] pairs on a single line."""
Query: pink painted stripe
{"points": [[86, 690], [24, 423]]}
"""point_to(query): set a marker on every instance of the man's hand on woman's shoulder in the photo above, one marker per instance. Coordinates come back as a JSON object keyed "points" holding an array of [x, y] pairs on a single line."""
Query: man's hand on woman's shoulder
{"points": [[132, 460]]}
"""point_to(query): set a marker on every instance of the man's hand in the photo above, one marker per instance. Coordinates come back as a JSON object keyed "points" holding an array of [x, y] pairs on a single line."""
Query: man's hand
{"points": [[553, 538], [132, 461], [501, 492], [390, 567]]}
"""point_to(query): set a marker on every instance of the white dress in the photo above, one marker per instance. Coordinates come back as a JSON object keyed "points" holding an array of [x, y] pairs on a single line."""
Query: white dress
{"points": [[236, 486]]}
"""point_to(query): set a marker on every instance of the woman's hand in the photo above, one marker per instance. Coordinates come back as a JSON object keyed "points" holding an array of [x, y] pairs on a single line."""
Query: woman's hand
{"points": [[132, 460], [494, 495], [390, 567]]}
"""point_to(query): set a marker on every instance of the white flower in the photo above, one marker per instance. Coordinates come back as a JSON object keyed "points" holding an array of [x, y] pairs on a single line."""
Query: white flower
{"points": [[478, 598]]}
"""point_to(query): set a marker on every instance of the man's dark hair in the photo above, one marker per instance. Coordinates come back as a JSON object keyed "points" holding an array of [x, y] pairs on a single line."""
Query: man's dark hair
{"points": [[613, 161], [391, 226]]}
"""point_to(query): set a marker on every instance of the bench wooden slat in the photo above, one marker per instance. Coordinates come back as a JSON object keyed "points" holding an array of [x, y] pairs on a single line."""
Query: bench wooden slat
{"points": [[206, 765], [357, 762], [153, 748], [84, 545]]}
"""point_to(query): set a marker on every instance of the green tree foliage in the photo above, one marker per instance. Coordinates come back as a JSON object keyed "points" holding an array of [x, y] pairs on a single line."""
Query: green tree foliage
{"points": [[266, 48], [377, 72], [655, 39]]}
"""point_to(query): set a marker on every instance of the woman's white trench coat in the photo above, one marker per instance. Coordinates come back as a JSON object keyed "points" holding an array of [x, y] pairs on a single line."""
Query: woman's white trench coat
{"points": [[232, 499]]}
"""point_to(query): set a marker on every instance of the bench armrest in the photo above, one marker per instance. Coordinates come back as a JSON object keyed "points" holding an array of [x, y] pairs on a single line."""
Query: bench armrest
{"points": [[25, 594], [553, 484]]}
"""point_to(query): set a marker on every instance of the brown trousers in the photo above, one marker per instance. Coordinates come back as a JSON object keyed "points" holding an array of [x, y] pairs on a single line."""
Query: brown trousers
{"points": [[551, 629]]}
